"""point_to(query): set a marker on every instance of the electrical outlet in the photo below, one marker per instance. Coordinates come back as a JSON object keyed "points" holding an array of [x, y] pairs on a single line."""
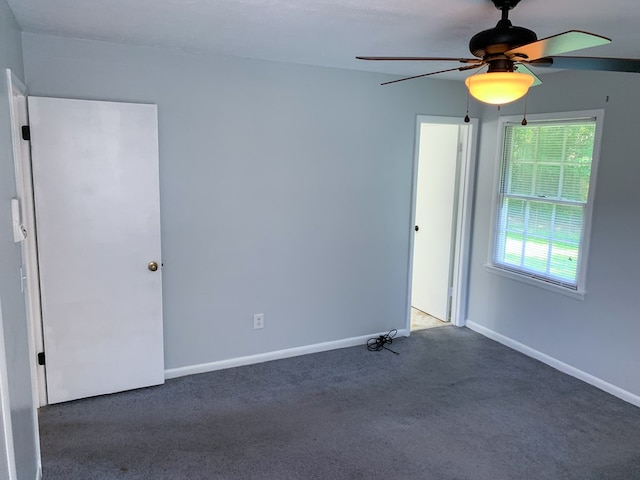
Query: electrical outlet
{"points": [[258, 321]]}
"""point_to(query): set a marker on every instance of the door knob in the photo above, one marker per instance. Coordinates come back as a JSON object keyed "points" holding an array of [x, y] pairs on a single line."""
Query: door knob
{"points": [[416, 228], [153, 266]]}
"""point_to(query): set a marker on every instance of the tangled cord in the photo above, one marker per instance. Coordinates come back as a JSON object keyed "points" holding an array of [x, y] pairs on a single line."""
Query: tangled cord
{"points": [[376, 344]]}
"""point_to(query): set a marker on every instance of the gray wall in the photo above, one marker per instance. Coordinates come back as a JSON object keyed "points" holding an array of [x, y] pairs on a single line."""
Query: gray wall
{"points": [[13, 307], [598, 335], [284, 189]]}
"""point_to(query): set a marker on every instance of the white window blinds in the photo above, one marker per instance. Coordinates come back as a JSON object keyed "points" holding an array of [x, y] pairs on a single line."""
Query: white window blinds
{"points": [[543, 196]]}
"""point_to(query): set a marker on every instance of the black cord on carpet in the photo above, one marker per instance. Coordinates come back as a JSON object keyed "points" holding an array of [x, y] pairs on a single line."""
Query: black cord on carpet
{"points": [[376, 344]]}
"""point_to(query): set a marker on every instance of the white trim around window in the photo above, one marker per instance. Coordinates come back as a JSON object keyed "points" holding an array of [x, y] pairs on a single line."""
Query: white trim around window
{"points": [[574, 287]]}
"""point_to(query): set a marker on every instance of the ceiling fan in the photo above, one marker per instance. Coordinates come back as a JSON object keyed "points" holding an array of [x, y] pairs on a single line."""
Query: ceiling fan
{"points": [[508, 50]]}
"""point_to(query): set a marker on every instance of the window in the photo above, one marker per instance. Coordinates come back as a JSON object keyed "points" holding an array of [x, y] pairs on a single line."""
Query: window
{"points": [[545, 191]]}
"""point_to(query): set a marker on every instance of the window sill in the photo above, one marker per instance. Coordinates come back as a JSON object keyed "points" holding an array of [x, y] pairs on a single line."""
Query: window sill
{"points": [[578, 295]]}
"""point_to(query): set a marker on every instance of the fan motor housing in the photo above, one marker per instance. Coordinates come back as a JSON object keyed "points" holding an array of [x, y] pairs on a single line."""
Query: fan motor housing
{"points": [[505, 4], [500, 39]]}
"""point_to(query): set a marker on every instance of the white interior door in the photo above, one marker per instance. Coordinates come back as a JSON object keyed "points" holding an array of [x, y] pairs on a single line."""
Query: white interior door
{"points": [[438, 157], [95, 176]]}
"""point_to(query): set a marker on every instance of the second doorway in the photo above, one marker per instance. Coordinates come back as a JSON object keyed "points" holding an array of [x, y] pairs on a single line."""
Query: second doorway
{"points": [[443, 167]]}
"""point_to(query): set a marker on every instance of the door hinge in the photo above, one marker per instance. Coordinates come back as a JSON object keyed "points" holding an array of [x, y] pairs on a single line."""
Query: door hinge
{"points": [[41, 358], [26, 132]]}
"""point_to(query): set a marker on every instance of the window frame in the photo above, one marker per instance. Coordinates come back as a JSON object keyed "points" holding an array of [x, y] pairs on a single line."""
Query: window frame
{"points": [[528, 277]]}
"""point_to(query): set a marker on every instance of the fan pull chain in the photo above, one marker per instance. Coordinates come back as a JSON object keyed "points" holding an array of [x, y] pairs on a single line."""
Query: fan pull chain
{"points": [[524, 117], [466, 117]]}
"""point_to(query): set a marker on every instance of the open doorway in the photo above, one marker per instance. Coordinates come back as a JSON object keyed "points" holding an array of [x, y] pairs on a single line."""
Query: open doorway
{"points": [[443, 184]]}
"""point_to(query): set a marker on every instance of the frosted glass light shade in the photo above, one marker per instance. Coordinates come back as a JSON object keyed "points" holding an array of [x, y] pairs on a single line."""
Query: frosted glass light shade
{"points": [[499, 88]]}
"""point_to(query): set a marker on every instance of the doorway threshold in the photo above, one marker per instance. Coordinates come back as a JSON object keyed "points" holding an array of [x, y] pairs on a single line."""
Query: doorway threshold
{"points": [[421, 320]]}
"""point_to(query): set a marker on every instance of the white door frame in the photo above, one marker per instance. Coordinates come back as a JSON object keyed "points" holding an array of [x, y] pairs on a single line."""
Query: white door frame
{"points": [[30, 276], [24, 190], [17, 96], [462, 243]]}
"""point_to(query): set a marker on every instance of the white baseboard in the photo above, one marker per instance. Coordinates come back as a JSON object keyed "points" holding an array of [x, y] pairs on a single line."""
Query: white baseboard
{"points": [[557, 364], [276, 355]]}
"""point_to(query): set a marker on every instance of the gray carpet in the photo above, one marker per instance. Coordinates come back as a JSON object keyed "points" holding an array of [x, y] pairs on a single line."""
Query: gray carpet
{"points": [[452, 405]]}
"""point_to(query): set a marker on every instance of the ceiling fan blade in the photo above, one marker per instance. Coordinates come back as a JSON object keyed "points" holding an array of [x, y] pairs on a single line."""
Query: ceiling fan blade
{"points": [[520, 68], [422, 59], [468, 67], [557, 44], [590, 63]]}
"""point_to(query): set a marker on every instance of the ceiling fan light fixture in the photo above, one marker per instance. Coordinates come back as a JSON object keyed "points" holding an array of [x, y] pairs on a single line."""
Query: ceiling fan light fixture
{"points": [[498, 88]]}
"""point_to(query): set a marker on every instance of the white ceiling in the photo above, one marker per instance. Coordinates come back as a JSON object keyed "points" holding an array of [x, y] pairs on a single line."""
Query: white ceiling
{"points": [[327, 32]]}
